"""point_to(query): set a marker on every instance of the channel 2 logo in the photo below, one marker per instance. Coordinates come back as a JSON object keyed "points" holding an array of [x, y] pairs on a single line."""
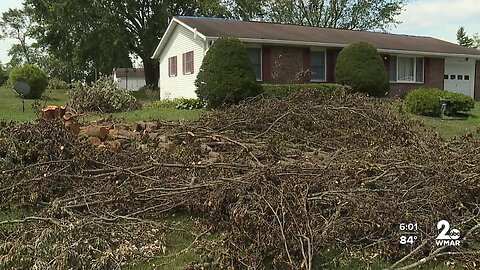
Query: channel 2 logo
{"points": [[447, 236]]}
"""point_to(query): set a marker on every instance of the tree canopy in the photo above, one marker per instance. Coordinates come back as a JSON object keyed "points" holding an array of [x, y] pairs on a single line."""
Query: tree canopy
{"points": [[16, 24], [467, 41], [103, 34], [347, 14]]}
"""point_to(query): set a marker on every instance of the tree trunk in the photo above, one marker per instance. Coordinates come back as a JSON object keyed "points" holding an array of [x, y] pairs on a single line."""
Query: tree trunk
{"points": [[152, 71]]}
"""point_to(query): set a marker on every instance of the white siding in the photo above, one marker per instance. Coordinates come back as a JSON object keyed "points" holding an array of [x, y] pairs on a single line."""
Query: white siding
{"points": [[134, 83], [181, 41]]}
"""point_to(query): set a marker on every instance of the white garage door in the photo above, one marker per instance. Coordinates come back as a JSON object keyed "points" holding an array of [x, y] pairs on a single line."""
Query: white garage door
{"points": [[459, 75]]}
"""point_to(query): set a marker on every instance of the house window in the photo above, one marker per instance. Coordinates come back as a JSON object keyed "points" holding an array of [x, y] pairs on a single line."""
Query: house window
{"points": [[172, 66], [317, 66], [406, 69], [255, 56], [188, 63]]}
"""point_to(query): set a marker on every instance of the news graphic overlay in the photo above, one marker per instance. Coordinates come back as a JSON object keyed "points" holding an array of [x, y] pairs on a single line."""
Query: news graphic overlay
{"points": [[447, 236], [409, 233]]}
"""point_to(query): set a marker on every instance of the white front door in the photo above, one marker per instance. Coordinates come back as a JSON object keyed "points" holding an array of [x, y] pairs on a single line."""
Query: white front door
{"points": [[459, 75]]}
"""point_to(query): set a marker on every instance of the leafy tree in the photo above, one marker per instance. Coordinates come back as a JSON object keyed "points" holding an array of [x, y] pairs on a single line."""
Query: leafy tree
{"points": [[34, 76], [103, 33], [78, 35], [463, 39], [16, 24], [347, 14], [360, 66], [247, 9], [226, 75]]}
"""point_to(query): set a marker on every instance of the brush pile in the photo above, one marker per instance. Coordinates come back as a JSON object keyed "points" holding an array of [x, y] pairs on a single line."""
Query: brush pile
{"points": [[284, 180]]}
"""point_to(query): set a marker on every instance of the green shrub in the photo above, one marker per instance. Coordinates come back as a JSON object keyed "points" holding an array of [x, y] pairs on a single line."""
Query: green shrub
{"points": [[226, 75], [55, 83], [457, 102], [164, 103], [282, 91], [428, 101], [32, 75], [179, 103], [150, 91], [189, 104], [361, 67], [103, 96]]}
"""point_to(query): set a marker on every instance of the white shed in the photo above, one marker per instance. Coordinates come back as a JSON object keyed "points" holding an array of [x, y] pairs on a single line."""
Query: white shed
{"points": [[131, 79]]}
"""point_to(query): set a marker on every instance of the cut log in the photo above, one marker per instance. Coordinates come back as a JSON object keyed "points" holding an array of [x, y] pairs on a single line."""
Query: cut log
{"points": [[52, 112], [115, 134], [95, 131], [67, 116], [73, 127], [95, 141], [49, 113], [151, 126], [117, 144]]}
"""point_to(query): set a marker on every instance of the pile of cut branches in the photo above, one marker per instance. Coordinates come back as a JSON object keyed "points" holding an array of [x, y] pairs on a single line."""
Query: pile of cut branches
{"points": [[284, 180]]}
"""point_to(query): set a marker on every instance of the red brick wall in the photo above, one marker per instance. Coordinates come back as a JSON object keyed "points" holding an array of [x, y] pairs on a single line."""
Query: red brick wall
{"points": [[477, 81], [286, 64], [434, 75], [434, 71]]}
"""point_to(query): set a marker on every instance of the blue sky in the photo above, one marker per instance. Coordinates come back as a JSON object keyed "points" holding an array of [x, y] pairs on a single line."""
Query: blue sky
{"points": [[435, 18]]}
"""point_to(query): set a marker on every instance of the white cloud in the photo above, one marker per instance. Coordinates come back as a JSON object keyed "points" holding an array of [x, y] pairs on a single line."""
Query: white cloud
{"points": [[439, 18]]}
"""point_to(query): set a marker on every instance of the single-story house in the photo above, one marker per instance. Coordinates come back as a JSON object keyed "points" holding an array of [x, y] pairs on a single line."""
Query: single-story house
{"points": [[131, 79], [279, 53]]}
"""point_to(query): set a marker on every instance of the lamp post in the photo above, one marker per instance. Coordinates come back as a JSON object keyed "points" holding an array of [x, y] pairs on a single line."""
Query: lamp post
{"points": [[126, 79]]}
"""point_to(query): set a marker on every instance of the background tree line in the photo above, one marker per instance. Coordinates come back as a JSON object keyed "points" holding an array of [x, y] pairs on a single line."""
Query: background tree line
{"points": [[71, 39], [467, 41]]}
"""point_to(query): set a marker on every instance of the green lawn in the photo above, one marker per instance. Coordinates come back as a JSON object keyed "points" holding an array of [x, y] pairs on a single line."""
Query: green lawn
{"points": [[450, 127], [11, 108], [11, 104]]}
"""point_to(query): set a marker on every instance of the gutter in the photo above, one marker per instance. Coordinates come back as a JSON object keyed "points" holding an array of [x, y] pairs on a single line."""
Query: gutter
{"points": [[340, 45]]}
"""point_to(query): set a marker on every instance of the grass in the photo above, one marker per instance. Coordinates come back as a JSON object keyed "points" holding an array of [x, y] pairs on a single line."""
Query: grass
{"points": [[10, 212], [11, 108], [152, 114], [450, 127], [11, 104]]}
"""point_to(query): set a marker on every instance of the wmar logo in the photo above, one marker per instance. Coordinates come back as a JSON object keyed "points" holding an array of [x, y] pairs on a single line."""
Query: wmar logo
{"points": [[447, 237]]}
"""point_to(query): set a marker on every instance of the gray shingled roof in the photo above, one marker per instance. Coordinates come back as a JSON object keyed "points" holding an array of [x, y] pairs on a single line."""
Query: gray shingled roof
{"points": [[212, 27], [132, 72]]}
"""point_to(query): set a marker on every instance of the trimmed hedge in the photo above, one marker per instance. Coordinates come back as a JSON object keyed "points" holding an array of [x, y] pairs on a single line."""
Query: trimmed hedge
{"points": [[360, 66], [428, 102], [282, 91], [32, 75], [226, 76]]}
